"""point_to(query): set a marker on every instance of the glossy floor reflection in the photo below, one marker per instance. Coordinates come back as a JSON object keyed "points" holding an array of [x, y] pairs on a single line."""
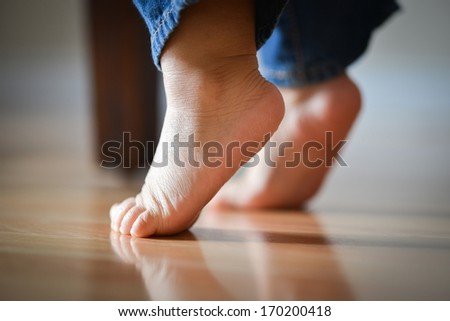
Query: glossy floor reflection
{"points": [[295, 256], [55, 244], [234, 256]]}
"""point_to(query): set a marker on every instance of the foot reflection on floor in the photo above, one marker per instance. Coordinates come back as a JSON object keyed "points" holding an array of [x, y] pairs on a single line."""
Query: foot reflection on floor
{"points": [[239, 257]]}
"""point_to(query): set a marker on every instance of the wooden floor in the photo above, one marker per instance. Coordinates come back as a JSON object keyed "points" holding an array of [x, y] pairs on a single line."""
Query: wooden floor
{"points": [[55, 241]]}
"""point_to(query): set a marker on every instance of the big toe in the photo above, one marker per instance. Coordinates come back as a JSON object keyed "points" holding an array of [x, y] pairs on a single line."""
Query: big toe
{"points": [[145, 225]]}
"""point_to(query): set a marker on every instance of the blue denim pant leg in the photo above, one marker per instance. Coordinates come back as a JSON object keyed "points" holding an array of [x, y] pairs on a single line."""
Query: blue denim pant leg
{"points": [[316, 40], [312, 40], [163, 16]]}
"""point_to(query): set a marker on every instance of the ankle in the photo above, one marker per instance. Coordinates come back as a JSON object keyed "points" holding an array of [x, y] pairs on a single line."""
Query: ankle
{"points": [[214, 79], [209, 31], [183, 67]]}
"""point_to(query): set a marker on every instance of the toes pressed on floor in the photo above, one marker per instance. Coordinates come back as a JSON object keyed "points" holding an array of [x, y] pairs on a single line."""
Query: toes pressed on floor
{"points": [[129, 218], [118, 212], [143, 226]]}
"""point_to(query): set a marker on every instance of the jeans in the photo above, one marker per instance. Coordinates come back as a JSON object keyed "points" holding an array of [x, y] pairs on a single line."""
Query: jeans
{"points": [[300, 42]]}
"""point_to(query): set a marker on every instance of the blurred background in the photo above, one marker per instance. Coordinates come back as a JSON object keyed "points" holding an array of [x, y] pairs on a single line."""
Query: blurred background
{"points": [[75, 73]]}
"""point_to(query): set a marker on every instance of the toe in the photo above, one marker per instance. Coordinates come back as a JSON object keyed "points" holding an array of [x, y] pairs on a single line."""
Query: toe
{"points": [[117, 212], [129, 218], [145, 225]]}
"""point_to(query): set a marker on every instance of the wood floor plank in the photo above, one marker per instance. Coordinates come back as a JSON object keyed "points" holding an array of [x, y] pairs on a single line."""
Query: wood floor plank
{"points": [[56, 244]]}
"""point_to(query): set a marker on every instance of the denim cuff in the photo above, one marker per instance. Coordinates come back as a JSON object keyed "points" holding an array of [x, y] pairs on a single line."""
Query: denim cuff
{"points": [[163, 16]]}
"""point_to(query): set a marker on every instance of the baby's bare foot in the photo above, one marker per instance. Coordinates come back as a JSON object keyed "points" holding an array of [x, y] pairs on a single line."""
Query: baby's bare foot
{"points": [[225, 113], [216, 98], [310, 113]]}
